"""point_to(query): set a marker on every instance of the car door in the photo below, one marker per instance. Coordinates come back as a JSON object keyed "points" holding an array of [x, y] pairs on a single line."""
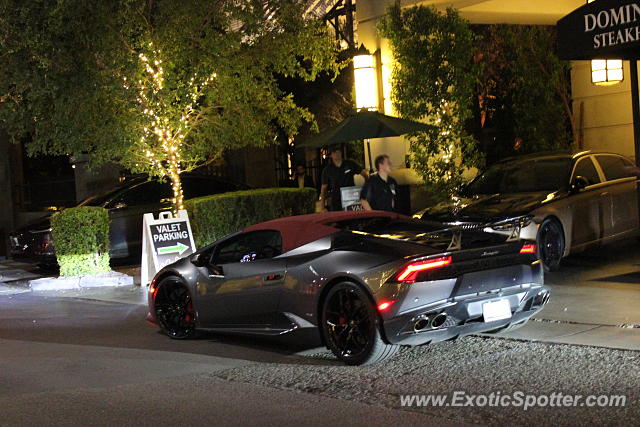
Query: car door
{"points": [[245, 281], [622, 187], [591, 206], [126, 211]]}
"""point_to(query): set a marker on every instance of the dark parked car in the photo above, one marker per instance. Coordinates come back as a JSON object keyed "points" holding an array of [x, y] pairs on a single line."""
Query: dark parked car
{"points": [[127, 204], [369, 281], [575, 200]]}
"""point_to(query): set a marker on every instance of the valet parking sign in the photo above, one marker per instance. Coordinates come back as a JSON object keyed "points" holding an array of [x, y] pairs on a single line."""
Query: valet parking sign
{"points": [[164, 240], [603, 29]]}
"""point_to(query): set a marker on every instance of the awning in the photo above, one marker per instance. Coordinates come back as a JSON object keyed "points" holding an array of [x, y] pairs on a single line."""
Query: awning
{"points": [[603, 29]]}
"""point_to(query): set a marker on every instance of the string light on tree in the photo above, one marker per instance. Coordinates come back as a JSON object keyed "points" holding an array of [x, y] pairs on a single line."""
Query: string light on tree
{"points": [[168, 117]]}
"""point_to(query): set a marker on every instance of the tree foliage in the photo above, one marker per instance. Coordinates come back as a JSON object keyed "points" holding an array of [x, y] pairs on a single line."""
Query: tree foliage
{"points": [[156, 85], [485, 90], [524, 91], [434, 79]]}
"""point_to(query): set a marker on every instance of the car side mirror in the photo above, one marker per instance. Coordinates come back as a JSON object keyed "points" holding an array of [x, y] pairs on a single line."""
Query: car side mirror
{"points": [[202, 260], [199, 260], [579, 183]]}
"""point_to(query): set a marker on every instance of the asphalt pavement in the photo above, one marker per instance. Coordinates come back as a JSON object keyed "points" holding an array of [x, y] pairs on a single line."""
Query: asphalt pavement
{"points": [[87, 357], [594, 300]]}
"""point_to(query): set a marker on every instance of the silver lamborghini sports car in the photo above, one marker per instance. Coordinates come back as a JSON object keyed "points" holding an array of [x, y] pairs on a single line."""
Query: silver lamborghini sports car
{"points": [[368, 281]]}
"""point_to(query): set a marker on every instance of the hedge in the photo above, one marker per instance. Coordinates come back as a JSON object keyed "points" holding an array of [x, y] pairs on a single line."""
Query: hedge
{"points": [[215, 216], [81, 240]]}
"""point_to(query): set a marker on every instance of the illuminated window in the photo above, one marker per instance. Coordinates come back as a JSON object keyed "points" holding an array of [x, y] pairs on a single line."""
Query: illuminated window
{"points": [[606, 72]]}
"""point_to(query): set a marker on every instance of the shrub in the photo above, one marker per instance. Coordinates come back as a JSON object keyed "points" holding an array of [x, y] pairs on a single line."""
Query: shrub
{"points": [[215, 216], [81, 240], [433, 80]]}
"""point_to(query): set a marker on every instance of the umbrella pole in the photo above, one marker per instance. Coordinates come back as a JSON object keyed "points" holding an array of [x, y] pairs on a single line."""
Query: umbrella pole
{"points": [[369, 152]]}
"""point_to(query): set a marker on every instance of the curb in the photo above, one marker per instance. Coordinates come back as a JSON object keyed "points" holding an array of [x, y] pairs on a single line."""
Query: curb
{"points": [[572, 333], [110, 279]]}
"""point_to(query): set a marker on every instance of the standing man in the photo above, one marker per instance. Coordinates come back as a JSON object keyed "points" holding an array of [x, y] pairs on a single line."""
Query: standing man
{"points": [[379, 192], [337, 174], [301, 179]]}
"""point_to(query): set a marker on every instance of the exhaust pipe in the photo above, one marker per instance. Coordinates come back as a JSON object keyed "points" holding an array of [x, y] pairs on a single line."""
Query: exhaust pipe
{"points": [[427, 322], [541, 298], [438, 320], [421, 324]]}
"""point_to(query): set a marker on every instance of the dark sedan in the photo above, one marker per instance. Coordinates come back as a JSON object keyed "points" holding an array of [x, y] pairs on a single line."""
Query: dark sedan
{"points": [[127, 204], [369, 281], [574, 200]]}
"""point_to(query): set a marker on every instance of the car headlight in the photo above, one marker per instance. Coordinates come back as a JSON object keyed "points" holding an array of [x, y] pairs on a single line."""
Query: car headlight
{"points": [[510, 223]]}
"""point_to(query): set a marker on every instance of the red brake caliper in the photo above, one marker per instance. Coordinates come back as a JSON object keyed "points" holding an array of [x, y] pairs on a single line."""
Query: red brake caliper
{"points": [[188, 317]]}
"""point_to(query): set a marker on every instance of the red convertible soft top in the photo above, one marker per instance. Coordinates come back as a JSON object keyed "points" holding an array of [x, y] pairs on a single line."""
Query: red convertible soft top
{"points": [[302, 229]]}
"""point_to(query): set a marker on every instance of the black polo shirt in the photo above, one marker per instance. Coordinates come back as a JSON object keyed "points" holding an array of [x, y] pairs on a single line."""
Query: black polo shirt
{"points": [[338, 177], [379, 193]]}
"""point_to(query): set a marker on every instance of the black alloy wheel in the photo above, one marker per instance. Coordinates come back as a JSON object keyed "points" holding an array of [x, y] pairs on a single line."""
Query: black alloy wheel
{"points": [[174, 309], [550, 244], [351, 326]]}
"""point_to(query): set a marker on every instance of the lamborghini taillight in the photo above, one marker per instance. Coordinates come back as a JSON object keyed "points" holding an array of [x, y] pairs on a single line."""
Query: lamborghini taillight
{"points": [[409, 273], [529, 248]]}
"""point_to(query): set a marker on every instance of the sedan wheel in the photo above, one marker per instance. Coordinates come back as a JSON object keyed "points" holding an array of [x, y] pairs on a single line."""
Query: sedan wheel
{"points": [[351, 326], [174, 310], [551, 244]]}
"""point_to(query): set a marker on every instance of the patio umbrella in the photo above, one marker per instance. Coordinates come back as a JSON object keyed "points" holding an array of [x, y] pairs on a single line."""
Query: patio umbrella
{"points": [[364, 125]]}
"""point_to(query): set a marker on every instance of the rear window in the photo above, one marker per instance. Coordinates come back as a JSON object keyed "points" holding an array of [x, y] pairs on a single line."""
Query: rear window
{"points": [[386, 225], [361, 224], [615, 167], [428, 233]]}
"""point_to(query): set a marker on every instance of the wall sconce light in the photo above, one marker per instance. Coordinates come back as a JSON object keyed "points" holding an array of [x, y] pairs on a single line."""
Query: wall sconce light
{"points": [[606, 72], [367, 84]]}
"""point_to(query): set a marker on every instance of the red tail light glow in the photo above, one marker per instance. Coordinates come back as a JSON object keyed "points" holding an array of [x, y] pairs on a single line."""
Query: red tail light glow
{"points": [[384, 306], [529, 248], [411, 271]]}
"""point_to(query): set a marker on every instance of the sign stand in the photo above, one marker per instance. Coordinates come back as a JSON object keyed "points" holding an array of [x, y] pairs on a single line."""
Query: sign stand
{"points": [[164, 241], [350, 198]]}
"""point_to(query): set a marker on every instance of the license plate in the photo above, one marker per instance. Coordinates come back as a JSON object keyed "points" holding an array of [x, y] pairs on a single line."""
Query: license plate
{"points": [[496, 310]]}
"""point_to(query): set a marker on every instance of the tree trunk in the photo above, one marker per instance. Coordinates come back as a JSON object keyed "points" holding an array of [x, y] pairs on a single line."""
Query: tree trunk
{"points": [[176, 184]]}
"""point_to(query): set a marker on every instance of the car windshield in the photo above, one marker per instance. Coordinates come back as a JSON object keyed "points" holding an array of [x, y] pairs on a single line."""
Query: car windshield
{"points": [[545, 174], [102, 198]]}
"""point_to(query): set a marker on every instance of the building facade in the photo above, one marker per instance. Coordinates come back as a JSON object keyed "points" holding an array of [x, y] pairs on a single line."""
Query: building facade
{"points": [[603, 113]]}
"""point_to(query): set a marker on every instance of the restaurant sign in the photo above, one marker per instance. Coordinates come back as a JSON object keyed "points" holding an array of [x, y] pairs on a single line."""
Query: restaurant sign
{"points": [[603, 29]]}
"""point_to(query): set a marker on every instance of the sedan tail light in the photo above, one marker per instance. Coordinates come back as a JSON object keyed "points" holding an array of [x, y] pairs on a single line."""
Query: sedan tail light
{"points": [[529, 248], [409, 273]]}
